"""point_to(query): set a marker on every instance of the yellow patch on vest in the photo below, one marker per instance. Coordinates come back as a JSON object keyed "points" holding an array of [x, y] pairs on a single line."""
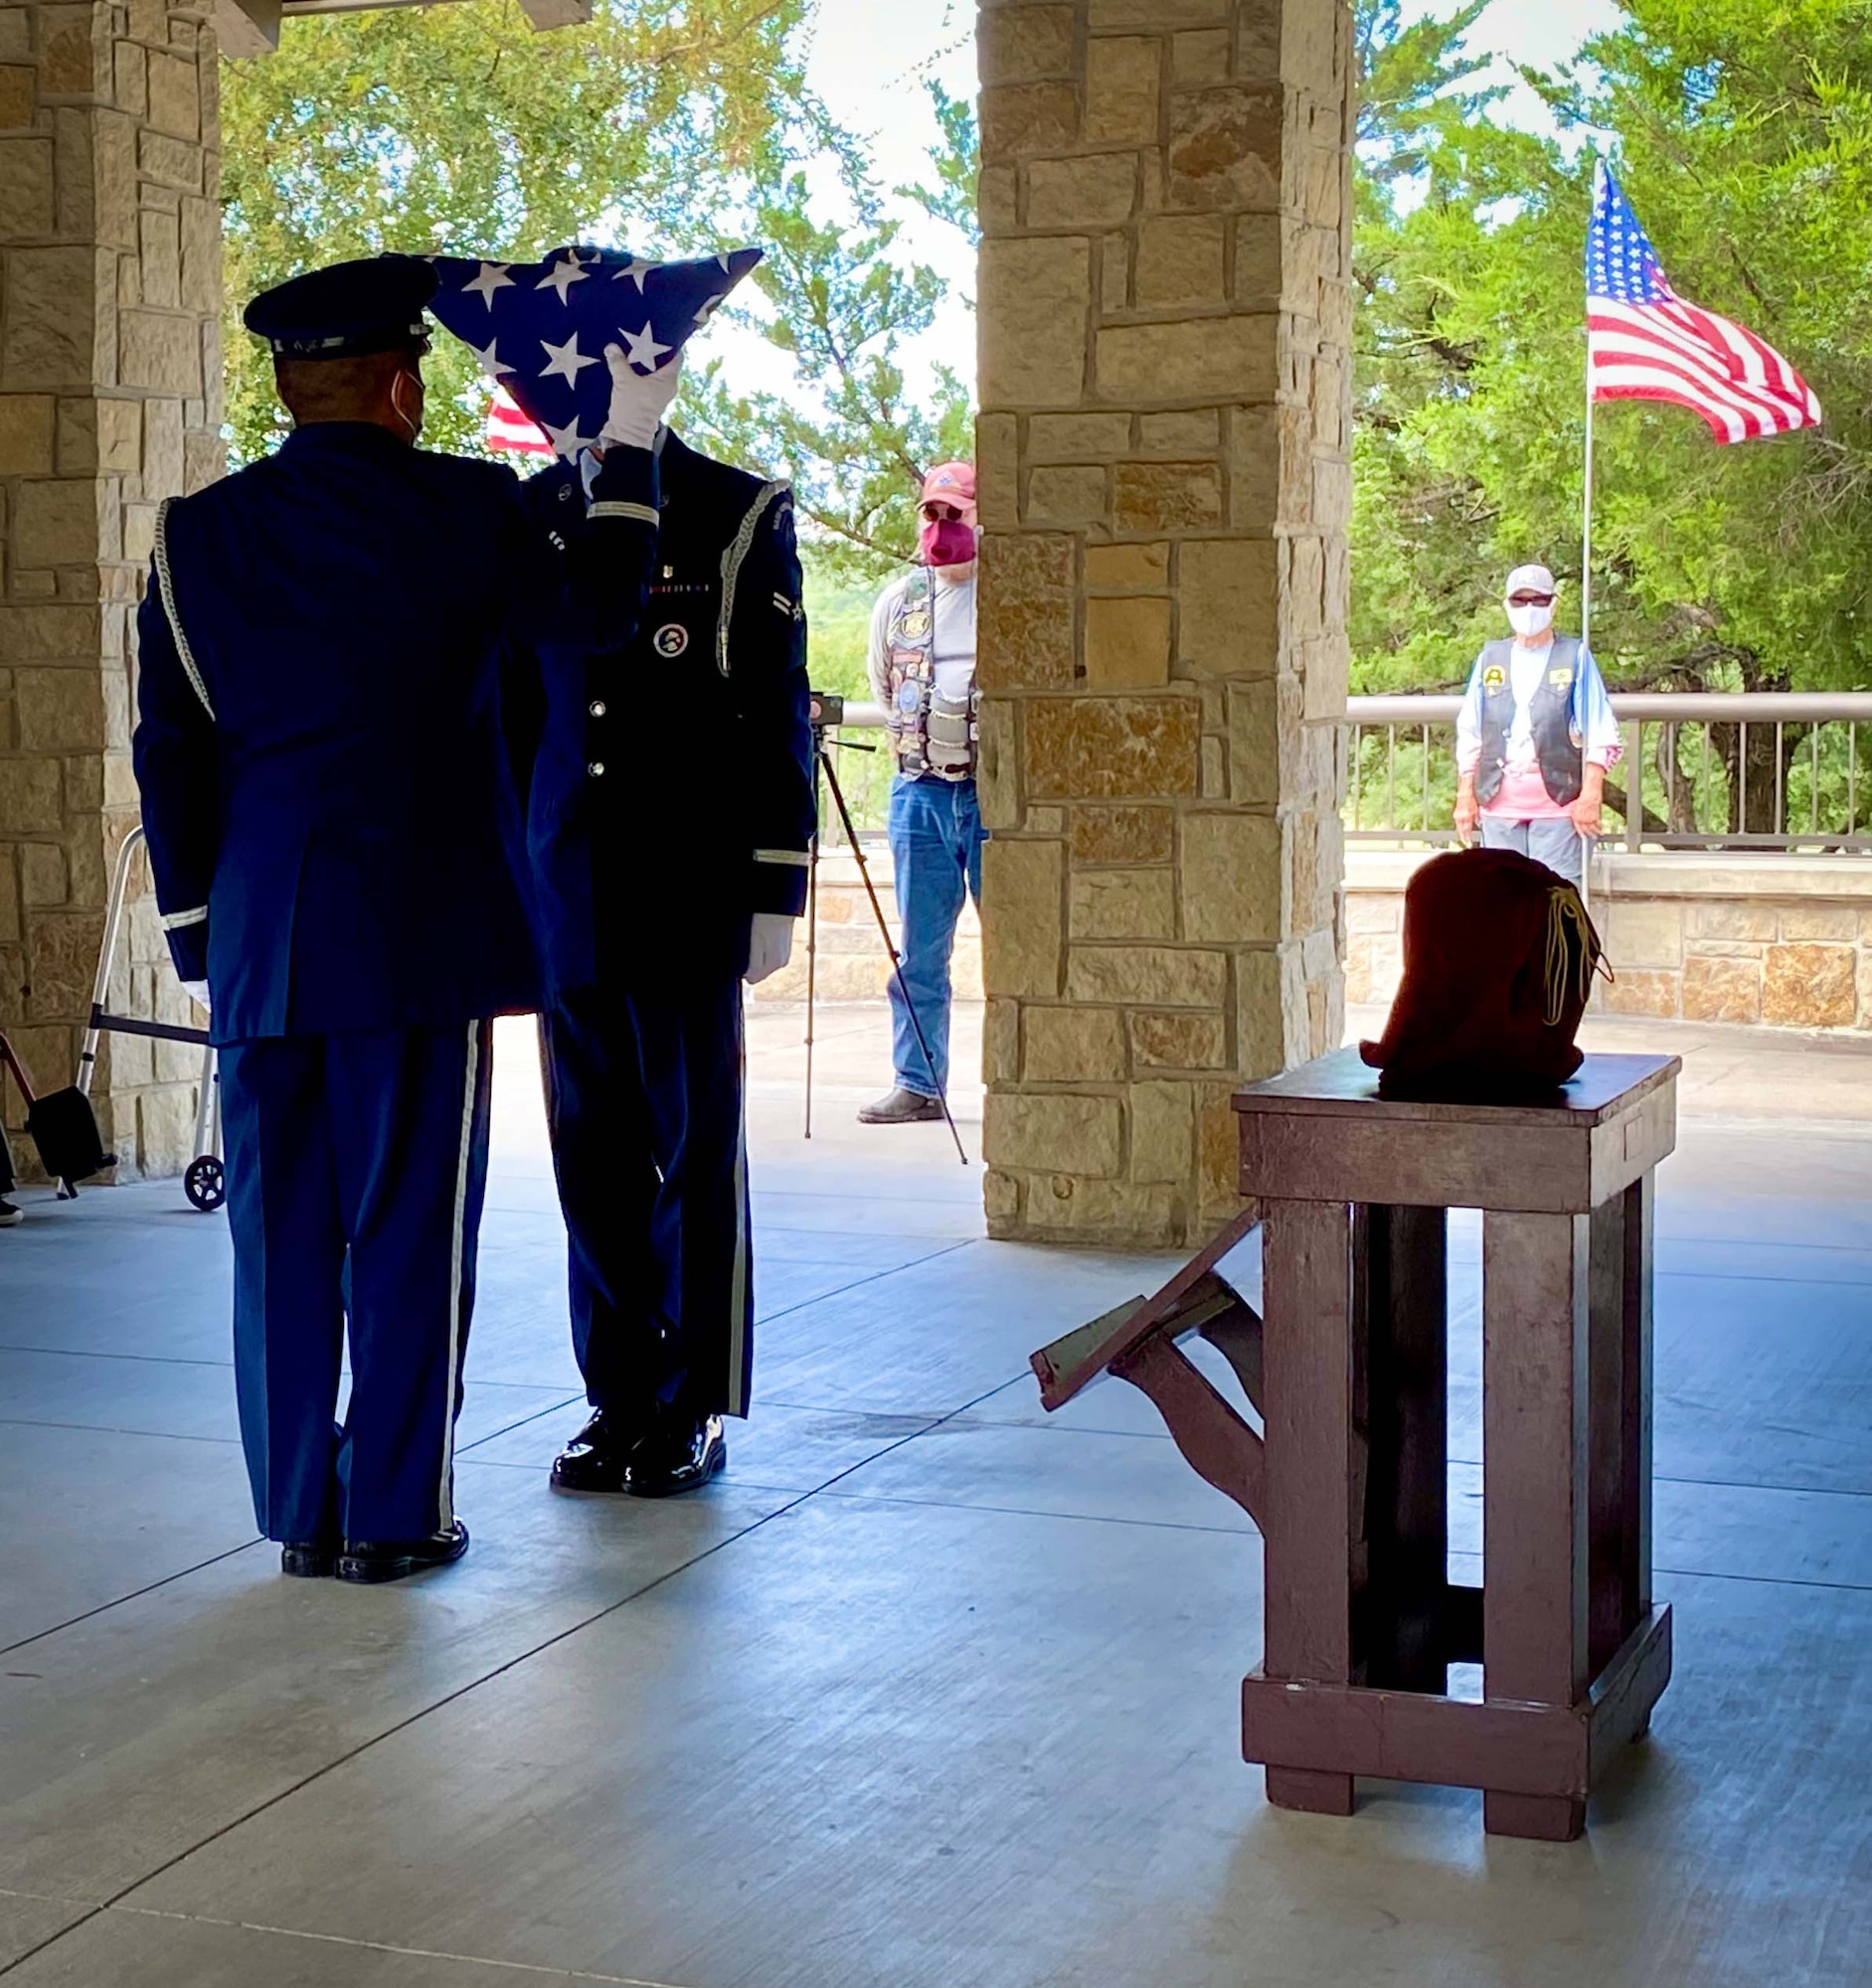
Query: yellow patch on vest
{"points": [[1560, 679], [1494, 677]]}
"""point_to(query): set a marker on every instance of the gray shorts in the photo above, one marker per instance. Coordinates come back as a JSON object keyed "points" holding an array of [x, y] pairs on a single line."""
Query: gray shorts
{"points": [[1558, 844]]}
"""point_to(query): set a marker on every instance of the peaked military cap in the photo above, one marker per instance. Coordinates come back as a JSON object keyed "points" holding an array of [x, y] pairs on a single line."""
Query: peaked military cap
{"points": [[346, 309]]}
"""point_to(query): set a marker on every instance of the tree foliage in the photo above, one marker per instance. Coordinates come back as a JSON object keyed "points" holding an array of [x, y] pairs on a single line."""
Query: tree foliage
{"points": [[857, 440], [1741, 131], [659, 125], [462, 128]]}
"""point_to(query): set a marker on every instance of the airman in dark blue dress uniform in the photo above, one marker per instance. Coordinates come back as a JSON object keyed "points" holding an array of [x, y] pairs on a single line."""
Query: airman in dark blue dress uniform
{"points": [[662, 883], [338, 852]]}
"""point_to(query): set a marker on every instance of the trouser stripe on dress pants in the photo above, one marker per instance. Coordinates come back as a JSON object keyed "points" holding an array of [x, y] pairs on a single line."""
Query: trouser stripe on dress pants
{"points": [[737, 1293], [446, 1498]]}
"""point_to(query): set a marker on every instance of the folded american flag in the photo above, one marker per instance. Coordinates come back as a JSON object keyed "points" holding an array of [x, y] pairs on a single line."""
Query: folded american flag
{"points": [[540, 329], [1644, 343]]}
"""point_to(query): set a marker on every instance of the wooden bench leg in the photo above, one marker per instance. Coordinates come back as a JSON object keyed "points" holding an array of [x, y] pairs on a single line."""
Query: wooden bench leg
{"points": [[1621, 1381], [1311, 1526], [1402, 1394], [1536, 1281]]}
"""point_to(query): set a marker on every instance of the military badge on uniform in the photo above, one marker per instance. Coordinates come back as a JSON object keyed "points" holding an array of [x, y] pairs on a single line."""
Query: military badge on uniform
{"points": [[914, 626], [671, 639], [1494, 677]]}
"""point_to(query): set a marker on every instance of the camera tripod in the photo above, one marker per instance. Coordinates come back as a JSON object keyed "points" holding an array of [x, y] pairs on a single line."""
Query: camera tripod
{"points": [[826, 711]]}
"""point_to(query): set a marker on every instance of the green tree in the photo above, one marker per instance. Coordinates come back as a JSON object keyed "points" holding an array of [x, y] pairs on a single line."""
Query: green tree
{"points": [[1743, 134], [461, 127], [852, 436]]}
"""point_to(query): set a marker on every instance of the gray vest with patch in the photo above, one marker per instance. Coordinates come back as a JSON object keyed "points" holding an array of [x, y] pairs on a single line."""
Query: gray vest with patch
{"points": [[1558, 747]]}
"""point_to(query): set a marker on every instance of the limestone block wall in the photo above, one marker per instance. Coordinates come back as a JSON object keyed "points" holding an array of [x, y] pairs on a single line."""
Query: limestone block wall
{"points": [[1778, 941], [110, 401], [1165, 384], [852, 963]]}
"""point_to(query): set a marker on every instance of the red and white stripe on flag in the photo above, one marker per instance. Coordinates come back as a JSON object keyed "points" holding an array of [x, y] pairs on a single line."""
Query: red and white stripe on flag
{"points": [[1673, 351], [509, 430]]}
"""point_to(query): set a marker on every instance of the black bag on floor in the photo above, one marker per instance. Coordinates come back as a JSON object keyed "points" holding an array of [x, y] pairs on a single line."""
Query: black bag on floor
{"points": [[61, 1126], [63, 1129]]}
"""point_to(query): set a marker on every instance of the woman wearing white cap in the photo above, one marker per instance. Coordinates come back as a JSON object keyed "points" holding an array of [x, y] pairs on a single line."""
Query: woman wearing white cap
{"points": [[1535, 735]]}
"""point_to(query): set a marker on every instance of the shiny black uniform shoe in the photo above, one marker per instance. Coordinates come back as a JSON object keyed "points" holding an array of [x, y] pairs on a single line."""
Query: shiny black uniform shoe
{"points": [[609, 1455], [597, 1458], [309, 1560], [681, 1457], [372, 1562]]}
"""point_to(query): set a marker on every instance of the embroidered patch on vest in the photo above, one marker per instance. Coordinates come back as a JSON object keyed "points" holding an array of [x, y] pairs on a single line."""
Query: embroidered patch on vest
{"points": [[671, 639], [1494, 677], [1560, 679]]}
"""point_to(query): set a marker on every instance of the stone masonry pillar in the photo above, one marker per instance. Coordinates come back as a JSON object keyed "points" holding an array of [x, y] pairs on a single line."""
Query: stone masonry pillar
{"points": [[1164, 379], [110, 401]]}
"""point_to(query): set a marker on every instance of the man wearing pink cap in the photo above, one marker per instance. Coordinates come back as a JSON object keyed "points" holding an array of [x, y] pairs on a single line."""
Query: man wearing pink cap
{"points": [[923, 672]]}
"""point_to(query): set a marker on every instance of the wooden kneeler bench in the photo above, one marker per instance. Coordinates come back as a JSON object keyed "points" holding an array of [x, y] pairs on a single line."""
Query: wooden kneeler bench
{"points": [[1347, 1479]]}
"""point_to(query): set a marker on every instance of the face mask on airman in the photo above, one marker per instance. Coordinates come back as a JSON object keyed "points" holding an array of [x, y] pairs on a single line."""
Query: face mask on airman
{"points": [[1531, 619], [414, 423]]}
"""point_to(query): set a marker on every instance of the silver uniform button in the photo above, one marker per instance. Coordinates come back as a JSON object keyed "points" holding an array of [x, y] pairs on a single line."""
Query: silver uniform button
{"points": [[596, 769], [597, 707]]}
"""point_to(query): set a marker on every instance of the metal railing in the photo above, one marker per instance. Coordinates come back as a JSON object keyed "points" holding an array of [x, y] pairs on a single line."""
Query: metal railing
{"points": [[1702, 770]]}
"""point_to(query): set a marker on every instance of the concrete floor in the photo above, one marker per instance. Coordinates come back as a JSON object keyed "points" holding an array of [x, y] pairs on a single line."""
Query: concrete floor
{"points": [[932, 1691]]}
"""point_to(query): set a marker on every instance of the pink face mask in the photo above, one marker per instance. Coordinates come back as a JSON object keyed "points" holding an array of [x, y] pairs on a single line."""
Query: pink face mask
{"points": [[945, 542]]}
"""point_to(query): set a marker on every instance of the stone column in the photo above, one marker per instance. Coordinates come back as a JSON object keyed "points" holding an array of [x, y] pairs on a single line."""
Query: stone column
{"points": [[110, 401], [1165, 492]]}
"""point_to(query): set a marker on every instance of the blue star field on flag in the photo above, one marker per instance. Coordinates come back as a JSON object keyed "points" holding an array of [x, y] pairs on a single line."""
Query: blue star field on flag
{"points": [[1619, 259], [540, 329]]}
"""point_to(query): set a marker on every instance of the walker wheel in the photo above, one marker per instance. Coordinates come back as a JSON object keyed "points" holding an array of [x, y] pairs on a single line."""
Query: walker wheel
{"points": [[205, 1184]]}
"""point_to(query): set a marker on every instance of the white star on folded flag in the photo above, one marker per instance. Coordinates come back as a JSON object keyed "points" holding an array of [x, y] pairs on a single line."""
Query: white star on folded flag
{"points": [[567, 359], [563, 275], [493, 277], [642, 350], [549, 307], [1644, 343]]}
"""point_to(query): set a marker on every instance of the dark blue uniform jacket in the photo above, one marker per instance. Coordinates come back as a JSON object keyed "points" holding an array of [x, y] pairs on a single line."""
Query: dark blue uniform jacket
{"points": [[673, 789], [332, 821]]}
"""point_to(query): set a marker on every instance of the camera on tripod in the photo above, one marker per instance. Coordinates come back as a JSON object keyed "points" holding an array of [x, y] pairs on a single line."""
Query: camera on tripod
{"points": [[823, 707]]}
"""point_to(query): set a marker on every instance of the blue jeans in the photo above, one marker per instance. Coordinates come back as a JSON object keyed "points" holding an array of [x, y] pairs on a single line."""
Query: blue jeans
{"points": [[936, 837], [1554, 843]]}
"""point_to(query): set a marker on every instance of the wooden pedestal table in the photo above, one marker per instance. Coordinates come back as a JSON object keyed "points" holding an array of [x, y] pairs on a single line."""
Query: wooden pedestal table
{"points": [[1347, 1370]]}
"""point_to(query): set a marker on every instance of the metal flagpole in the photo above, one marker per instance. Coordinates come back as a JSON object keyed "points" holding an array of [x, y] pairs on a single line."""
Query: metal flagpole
{"points": [[1586, 523], [1585, 534]]}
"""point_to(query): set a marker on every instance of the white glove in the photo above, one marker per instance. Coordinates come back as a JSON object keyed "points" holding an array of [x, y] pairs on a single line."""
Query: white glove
{"points": [[639, 401], [197, 991], [770, 946]]}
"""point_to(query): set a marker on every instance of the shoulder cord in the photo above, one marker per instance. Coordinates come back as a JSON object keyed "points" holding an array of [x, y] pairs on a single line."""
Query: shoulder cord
{"points": [[165, 584], [732, 560]]}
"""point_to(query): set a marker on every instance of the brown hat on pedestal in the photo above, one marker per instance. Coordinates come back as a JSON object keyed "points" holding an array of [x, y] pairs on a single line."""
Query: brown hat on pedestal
{"points": [[1498, 961]]}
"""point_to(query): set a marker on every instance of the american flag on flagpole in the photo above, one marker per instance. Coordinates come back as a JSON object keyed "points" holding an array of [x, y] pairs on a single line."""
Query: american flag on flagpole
{"points": [[1644, 343], [508, 429]]}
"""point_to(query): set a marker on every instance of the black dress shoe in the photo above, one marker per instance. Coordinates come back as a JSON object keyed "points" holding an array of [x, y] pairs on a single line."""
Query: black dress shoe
{"points": [[902, 1107], [373, 1560], [678, 1458], [597, 1458], [310, 1560]]}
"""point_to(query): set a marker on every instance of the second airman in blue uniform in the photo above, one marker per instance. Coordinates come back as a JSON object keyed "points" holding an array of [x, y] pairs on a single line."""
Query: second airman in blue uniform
{"points": [[694, 742]]}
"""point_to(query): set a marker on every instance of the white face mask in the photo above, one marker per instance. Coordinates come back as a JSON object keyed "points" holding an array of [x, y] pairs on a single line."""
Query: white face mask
{"points": [[1531, 620]]}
